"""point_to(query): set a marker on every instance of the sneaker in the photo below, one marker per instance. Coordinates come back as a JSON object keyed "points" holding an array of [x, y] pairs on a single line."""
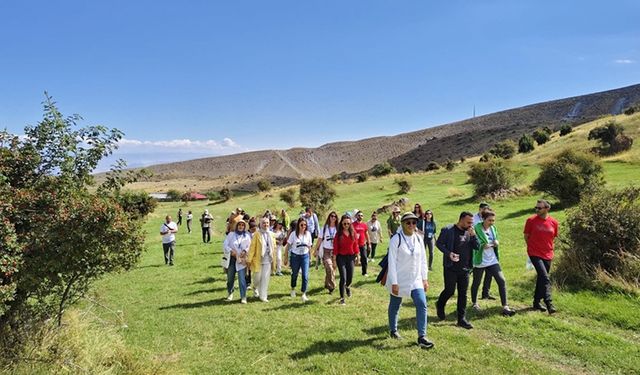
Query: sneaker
{"points": [[507, 311], [243, 301], [424, 343], [293, 293], [395, 335], [440, 312], [365, 275], [348, 291], [304, 297], [476, 307], [330, 291], [256, 293], [463, 323], [278, 273], [538, 307], [230, 297], [264, 300], [171, 263], [342, 301], [489, 297], [550, 308]]}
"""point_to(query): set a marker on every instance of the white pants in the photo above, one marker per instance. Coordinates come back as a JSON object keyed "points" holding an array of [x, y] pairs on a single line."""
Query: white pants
{"points": [[262, 280], [279, 259]]}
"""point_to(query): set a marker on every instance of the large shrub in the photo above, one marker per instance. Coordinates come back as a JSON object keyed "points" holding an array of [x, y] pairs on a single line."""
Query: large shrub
{"points": [[565, 129], [316, 193], [541, 136], [526, 144], [404, 185], [264, 185], [569, 175], [602, 246], [492, 176], [289, 197], [505, 149], [226, 193], [137, 204], [58, 235], [612, 139], [382, 169]]}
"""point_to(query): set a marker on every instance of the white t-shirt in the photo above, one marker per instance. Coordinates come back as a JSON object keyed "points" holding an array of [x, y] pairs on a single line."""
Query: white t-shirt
{"points": [[300, 245], [488, 254], [374, 230], [169, 237], [328, 233], [239, 243], [189, 216]]}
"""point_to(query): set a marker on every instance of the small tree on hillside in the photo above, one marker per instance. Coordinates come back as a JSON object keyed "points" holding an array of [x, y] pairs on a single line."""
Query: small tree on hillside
{"points": [[569, 175], [492, 176], [505, 150], [264, 185], [226, 194], [404, 185], [565, 129], [174, 195], [540, 136], [450, 165], [612, 139], [525, 144], [383, 169], [289, 197], [432, 166], [316, 193]]}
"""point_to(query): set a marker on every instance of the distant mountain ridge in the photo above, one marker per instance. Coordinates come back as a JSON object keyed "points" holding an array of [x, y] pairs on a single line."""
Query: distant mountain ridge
{"points": [[411, 150]]}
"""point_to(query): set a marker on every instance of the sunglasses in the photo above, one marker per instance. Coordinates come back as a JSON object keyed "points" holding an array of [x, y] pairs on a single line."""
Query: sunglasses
{"points": [[539, 208], [333, 216], [411, 222], [346, 224]]}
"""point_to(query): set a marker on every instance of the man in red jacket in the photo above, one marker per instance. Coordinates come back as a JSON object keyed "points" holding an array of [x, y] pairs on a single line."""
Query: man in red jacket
{"points": [[539, 232]]}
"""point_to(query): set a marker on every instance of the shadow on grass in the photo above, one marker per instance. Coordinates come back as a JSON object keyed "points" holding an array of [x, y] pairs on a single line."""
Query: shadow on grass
{"points": [[210, 280], [406, 323], [370, 280], [212, 290], [196, 305], [295, 305], [151, 266], [463, 201], [521, 213], [333, 346]]}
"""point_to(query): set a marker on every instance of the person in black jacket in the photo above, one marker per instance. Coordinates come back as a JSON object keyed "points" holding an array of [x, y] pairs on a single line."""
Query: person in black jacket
{"points": [[457, 242]]}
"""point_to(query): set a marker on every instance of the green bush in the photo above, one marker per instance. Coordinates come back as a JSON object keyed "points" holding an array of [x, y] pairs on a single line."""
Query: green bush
{"points": [[450, 165], [225, 194], [492, 176], [361, 177], [486, 157], [382, 169], [404, 185], [264, 185], [137, 204], [602, 246], [505, 150], [612, 139], [541, 137], [174, 195], [547, 130], [565, 129], [432, 166], [525, 144], [569, 175], [289, 197], [316, 193]]}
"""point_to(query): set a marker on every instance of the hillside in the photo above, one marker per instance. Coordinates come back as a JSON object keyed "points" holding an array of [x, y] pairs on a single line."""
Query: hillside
{"points": [[411, 150]]}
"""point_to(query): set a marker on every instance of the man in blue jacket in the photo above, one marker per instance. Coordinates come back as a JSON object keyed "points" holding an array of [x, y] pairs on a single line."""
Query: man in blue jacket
{"points": [[457, 241]]}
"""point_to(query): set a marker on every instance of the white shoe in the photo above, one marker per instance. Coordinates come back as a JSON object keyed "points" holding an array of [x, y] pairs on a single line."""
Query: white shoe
{"points": [[476, 307], [304, 297], [243, 301], [256, 293], [230, 297], [293, 293], [264, 300]]}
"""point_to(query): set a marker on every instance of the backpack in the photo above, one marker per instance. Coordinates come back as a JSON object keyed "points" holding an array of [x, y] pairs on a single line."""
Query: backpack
{"points": [[384, 263]]}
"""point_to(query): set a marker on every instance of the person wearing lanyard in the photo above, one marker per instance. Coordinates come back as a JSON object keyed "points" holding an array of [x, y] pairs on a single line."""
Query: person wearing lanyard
{"points": [[261, 258], [429, 229], [325, 250], [407, 277], [237, 246], [299, 244], [375, 235], [345, 252]]}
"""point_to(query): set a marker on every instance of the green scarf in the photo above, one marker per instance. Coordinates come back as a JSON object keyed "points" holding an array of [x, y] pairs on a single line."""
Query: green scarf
{"points": [[483, 240]]}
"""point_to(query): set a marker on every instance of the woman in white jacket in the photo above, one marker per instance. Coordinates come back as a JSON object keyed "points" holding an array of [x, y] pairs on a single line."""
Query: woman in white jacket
{"points": [[236, 248], [407, 276]]}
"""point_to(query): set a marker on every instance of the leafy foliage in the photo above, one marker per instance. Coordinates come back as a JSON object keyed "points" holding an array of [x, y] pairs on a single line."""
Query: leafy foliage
{"points": [[382, 169], [492, 176], [57, 235], [432, 166], [404, 185], [174, 195], [226, 194], [612, 139], [317, 193], [505, 150], [565, 129], [450, 165], [361, 177], [525, 144], [569, 175], [602, 246], [541, 137], [289, 197], [264, 185]]}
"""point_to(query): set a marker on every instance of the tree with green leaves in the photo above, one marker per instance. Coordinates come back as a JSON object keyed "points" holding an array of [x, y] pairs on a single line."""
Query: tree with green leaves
{"points": [[541, 137], [526, 144], [317, 193], [612, 139]]}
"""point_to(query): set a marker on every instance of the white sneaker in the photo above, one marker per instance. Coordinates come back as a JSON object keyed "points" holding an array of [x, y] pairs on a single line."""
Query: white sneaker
{"points": [[230, 297], [264, 300], [256, 293], [293, 292], [243, 301], [476, 307], [304, 297]]}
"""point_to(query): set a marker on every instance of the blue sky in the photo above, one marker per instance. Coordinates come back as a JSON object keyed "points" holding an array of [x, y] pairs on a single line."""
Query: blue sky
{"points": [[196, 78]]}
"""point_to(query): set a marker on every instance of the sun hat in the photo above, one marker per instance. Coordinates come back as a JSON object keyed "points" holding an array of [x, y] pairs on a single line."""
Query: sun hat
{"points": [[408, 216]]}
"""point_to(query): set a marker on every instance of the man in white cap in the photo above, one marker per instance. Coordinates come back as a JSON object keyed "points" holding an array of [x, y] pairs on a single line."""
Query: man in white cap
{"points": [[168, 231], [393, 223], [205, 223]]}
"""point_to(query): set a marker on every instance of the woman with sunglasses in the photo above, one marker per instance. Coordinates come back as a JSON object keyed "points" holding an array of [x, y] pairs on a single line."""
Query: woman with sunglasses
{"points": [[429, 228], [375, 235], [236, 246], [407, 277], [345, 253], [299, 244], [325, 250]]}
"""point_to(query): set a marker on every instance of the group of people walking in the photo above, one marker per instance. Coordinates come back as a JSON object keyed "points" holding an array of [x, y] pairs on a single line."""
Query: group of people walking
{"points": [[256, 248]]}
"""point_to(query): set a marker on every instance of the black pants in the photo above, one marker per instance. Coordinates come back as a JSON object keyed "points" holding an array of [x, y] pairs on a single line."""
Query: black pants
{"points": [[346, 265], [373, 250], [168, 249], [453, 278], [189, 226], [543, 282], [486, 285], [206, 235], [363, 259], [491, 271], [179, 220], [429, 243]]}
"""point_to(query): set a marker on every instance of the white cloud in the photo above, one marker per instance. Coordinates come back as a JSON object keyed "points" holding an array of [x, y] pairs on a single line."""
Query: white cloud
{"points": [[227, 145], [624, 61]]}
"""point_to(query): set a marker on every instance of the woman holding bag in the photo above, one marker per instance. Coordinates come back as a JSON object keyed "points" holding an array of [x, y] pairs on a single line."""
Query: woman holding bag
{"points": [[324, 249]]}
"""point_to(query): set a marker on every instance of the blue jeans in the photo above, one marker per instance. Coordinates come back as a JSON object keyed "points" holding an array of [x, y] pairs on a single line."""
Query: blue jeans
{"points": [[242, 281], [420, 301], [300, 262]]}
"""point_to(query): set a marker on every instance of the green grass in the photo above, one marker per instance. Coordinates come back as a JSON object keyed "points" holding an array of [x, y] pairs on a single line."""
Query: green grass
{"points": [[178, 316]]}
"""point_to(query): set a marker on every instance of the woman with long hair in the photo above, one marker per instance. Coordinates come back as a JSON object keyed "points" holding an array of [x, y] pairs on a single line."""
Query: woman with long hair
{"points": [[345, 253], [325, 250], [299, 245], [428, 227], [236, 247]]}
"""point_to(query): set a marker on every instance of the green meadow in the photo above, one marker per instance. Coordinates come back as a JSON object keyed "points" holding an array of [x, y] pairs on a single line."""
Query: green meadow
{"points": [[177, 317]]}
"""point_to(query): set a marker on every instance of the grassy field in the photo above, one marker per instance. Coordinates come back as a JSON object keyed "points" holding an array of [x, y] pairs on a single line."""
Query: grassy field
{"points": [[178, 317]]}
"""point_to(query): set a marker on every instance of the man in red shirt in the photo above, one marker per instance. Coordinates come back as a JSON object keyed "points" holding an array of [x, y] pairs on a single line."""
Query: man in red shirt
{"points": [[539, 232], [364, 243]]}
